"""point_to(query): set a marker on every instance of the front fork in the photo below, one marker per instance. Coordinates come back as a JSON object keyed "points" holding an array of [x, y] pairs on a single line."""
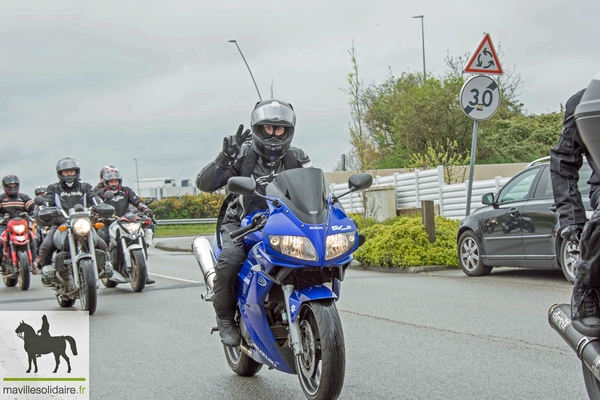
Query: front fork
{"points": [[294, 327], [75, 257]]}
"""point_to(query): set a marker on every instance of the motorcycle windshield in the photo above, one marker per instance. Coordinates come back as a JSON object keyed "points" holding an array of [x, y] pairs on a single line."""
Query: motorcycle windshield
{"points": [[304, 191]]}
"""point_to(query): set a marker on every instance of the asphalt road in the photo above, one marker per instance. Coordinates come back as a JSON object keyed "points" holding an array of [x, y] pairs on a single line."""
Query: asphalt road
{"points": [[438, 335]]}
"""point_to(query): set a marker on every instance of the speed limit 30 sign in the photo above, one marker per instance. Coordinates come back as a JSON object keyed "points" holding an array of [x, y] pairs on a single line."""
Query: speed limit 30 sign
{"points": [[480, 97]]}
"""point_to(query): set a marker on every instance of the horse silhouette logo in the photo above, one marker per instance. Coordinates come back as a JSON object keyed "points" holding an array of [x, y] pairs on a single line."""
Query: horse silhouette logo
{"points": [[40, 343]]}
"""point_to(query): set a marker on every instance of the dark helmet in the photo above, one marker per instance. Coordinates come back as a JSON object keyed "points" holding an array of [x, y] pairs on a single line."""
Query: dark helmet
{"points": [[587, 115], [40, 190], [111, 174], [275, 113], [104, 169], [64, 164], [10, 179]]}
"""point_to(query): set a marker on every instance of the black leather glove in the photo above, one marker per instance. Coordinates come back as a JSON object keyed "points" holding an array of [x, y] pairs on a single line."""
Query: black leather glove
{"points": [[572, 233], [232, 144], [149, 213]]}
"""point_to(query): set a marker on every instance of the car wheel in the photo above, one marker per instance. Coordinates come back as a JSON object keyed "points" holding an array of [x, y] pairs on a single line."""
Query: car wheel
{"points": [[469, 255], [568, 256]]}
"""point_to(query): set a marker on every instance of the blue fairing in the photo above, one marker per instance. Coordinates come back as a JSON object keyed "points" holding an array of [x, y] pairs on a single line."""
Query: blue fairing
{"points": [[254, 286]]}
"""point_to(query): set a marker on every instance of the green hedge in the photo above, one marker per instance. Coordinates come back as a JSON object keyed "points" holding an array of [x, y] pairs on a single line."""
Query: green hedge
{"points": [[402, 242], [204, 205]]}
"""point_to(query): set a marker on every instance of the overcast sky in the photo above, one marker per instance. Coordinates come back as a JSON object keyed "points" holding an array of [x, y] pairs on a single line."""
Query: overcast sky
{"points": [[108, 82]]}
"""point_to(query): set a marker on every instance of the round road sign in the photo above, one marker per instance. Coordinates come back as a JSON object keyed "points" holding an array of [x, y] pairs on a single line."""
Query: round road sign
{"points": [[480, 97]]}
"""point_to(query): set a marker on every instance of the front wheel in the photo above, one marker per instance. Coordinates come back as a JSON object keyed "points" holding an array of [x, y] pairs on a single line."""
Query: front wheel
{"points": [[567, 257], [322, 364], [87, 286], [469, 255], [592, 385], [137, 275], [24, 270]]}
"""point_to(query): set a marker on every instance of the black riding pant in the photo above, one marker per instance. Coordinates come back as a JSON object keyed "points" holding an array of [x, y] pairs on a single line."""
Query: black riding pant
{"points": [[587, 268], [230, 261]]}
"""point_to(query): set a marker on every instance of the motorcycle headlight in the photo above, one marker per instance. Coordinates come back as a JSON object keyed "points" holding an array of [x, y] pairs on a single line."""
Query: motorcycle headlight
{"points": [[19, 229], [338, 244], [294, 246], [82, 226], [132, 227]]}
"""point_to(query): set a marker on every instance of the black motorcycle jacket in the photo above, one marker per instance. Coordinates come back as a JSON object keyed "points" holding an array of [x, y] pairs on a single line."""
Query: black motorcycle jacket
{"points": [[11, 207], [248, 163], [566, 158], [67, 197], [123, 197]]}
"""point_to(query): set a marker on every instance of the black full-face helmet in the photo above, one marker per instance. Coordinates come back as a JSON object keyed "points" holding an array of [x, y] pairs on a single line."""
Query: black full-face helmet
{"points": [[112, 174], [40, 190], [9, 180], [275, 113], [65, 164]]}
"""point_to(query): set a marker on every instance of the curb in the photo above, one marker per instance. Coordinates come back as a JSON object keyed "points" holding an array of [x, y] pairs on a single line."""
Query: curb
{"points": [[165, 247], [407, 270]]}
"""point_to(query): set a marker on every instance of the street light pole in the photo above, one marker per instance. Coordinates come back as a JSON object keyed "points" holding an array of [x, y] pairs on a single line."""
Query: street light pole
{"points": [[243, 58], [137, 177], [423, 39]]}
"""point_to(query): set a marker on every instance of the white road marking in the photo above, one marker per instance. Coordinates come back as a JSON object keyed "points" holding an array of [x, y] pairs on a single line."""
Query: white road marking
{"points": [[174, 278]]}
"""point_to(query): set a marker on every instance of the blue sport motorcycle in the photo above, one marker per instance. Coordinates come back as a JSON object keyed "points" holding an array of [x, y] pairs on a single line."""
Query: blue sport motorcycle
{"points": [[298, 252]]}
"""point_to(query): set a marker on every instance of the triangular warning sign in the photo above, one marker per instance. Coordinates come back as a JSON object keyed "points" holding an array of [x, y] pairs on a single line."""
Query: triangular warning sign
{"points": [[484, 60]]}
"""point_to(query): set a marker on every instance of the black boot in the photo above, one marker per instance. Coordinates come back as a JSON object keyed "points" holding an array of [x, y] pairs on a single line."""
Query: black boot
{"points": [[230, 334], [585, 312]]}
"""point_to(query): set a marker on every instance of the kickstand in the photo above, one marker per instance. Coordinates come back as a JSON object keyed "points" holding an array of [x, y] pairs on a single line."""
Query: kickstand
{"points": [[214, 329]]}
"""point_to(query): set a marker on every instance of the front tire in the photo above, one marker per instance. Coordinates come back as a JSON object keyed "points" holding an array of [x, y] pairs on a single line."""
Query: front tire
{"points": [[322, 365], [137, 276], [24, 265], [469, 255], [87, 286], [592, 385], [567, 260], [241, 363]]}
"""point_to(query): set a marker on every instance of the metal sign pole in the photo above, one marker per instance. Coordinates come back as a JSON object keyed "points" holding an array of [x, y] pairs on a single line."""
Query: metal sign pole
{"points": [[472, 166]]}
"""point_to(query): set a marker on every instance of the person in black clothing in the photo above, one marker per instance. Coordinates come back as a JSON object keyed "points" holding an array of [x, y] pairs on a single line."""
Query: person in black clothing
{"points": [[123, 197], [12, 204], [566, 159], [68, 192], [267, 153], [100, 184]]}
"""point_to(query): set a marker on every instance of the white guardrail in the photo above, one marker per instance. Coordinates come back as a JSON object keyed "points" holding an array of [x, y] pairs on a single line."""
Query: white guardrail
{"points": [[411, 189]]}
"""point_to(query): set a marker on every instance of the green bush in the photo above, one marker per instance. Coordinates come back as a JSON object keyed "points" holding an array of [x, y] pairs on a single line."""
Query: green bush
{"points": [[402, 242]]}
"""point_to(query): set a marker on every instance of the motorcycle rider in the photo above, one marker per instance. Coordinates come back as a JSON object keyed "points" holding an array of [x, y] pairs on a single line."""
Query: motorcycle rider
{"points": [[68, 192], [12, 204], [267, 153], [100, 184], [123, 197], [566, 159], [39, 191]]}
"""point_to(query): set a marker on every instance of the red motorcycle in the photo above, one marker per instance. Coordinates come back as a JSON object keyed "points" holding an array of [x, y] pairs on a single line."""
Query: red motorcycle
{"points": [[17, 241]]}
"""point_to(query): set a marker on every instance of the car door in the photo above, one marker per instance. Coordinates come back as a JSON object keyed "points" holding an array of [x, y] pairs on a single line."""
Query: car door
{"points": [[539, 222], [503, 238]]}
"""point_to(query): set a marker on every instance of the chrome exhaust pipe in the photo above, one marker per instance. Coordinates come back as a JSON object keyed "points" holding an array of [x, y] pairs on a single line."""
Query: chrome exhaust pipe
{"points": [[586, 348], [207, 262]]}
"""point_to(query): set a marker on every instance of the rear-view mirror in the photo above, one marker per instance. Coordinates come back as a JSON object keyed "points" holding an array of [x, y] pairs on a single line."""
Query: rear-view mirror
{"points": [[487, 199], [241, 185], [360, 181]]}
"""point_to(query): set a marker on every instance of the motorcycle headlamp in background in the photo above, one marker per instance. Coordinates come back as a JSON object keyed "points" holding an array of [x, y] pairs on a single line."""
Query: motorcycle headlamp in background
{"points": [[294, 246], [82, 226], [132, 227], [338, 244], [19, 229]]}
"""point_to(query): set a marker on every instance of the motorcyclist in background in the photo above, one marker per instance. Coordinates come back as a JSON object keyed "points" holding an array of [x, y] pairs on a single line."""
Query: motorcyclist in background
{"points": [[123, 197], [566, 158], [37, 239], [267, 154], [12, 204], [100, 184], [65, 194]]}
